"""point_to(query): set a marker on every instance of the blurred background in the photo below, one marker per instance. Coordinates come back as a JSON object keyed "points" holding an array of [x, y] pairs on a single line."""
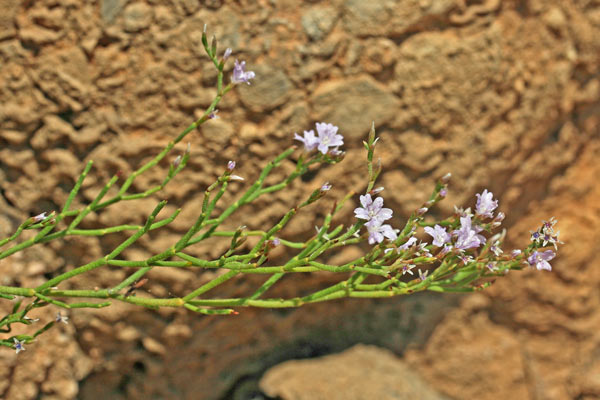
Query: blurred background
{"points": [[505, 95]]}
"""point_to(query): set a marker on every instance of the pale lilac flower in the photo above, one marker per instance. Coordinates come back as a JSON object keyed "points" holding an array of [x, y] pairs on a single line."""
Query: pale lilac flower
{"points": [[310, 140], [235, 178], [463, 213], [540, 259], [230, 165], [496, 250], [275, 242], [213, 114], [465, 259], [486, 204], [326, 187], [61, 318], [445, 250], [328, 137], [467, 237], [227, 53], [443, 192], [372, 210], [422, 250], [18, 345], [423, 275], [408, 243], [515, 253], [377, 231], [422, 211], [492, 267], [407, 269], [439, 235], [240, 75]]}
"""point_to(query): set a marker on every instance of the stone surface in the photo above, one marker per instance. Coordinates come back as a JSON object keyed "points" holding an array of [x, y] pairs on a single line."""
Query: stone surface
{"points": [[270, 88], [353, 103], [360, 373]]}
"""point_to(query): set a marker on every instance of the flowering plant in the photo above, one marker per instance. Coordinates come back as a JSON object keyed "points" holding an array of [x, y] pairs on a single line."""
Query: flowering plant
{"points": [[459, 257]]}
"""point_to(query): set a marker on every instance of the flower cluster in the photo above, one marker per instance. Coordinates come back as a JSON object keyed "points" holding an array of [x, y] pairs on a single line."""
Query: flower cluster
{"points": [[462, 238], [546, 235], [375, 214], [542, 238], [326, 137]]}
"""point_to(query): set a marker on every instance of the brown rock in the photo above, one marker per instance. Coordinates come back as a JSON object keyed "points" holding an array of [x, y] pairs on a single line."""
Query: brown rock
{"points": [[270, 88], [137, 16], [360, 373], [353, 104]]}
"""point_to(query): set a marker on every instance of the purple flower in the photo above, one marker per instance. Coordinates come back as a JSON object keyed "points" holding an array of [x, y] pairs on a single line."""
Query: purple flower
{"points": [[496, 250], [230, 165], [540, 259], [486, 204], [18, 345], [372, 209], [439, 235], [328, 137], [465, 259], [407, 269], [213, 114], [423, 275], [377, 231], [310, 140], [443, 192], [492, 267], [240, 75], [227, 53], [467, 237], [408, 243]]}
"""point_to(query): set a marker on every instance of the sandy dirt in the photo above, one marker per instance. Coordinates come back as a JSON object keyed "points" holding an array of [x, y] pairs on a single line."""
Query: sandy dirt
{"points": [[505, 95]]}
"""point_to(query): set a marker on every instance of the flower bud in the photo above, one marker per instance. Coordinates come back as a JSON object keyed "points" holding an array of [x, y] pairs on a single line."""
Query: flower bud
{"points": [[176, 161], [421, 211], [326, 187], [236, 178], [40, 217], [230, 165], [446, 178], [227, 53]]}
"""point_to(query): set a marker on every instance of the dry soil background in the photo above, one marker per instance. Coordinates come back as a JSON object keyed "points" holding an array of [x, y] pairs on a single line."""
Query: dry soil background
{"points": [[504, 94]]}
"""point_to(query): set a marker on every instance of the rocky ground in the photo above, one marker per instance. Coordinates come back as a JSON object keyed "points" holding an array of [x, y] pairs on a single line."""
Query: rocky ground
{"points": [[503, 94]]}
